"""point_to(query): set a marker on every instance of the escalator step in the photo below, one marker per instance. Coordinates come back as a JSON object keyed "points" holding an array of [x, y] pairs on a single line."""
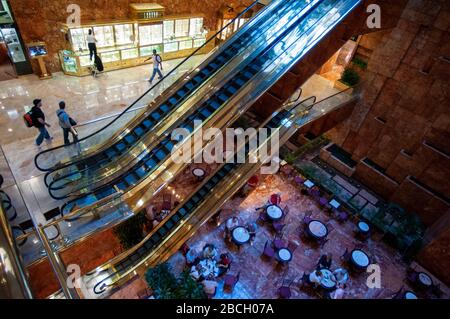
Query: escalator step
{"points": [[165, 108], [176, 218], [239, 82], [122, 186], [156, 116], [205, 112], [215, 104], [141, 172], [147, 123], [138, 131], [169, 224], [151, 163], [189, 86], [148, 245], [130, 179], [105, 193], [182, 211], [173, 100], [129, 139], [120, 147], [110, 153], [161, 155]]}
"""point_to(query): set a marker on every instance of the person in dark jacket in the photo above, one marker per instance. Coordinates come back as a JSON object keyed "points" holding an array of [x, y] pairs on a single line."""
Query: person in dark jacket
{"points": [[325, 261], [66, 124], [39, 122]]}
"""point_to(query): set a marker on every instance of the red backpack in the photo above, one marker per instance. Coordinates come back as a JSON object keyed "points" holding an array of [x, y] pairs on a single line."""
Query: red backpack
{"points": [[27, 118]]}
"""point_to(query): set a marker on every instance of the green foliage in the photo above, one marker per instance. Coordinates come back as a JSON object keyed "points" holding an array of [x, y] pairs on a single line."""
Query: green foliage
{"points": [[166, 286], [130, 231], [163, 283], [350, 77], [360, 63], [188, 288]]}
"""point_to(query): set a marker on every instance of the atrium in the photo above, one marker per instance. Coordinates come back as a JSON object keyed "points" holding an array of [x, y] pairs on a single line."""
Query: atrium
{"points": [[278, 149]]}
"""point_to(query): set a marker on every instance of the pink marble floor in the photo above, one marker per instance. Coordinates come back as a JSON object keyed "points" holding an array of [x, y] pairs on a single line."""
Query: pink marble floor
{"points": [[260, 278]]}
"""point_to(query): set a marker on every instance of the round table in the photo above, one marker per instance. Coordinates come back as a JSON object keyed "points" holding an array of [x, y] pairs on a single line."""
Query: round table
{"points": [[240, 235], [198, 172], [328, 280], [317, 229], [360, 258], [341, 275], [425, 280], [284, 255], [410, 295], [363, 227], [274, 212]]}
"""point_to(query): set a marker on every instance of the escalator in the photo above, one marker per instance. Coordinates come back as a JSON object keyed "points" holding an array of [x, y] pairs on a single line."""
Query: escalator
{"points": [[70, 165], [86, 175], [167, 238], [247, 84]]}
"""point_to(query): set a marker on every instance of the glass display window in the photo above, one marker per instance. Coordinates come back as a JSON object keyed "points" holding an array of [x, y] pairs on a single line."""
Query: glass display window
{"points": [[171, 47], [69, 62], [110, 56], [186, 44], [13, 43], [147, 51], [196, 27], [169, 30], [78, 37], [104, 36], [151, 34], [199, 42], [182, 28], [124, 34], [85, 60], [130, 54]]}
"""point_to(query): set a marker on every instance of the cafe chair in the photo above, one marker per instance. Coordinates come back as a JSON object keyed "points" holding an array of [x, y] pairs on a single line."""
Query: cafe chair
{"points": [[341, 216], [278, 227], [436, 290], [298, 180], [230, 281], [284, 292], [268, 252], [398, 294], [346, 256], [411, 275], [262, 218]]}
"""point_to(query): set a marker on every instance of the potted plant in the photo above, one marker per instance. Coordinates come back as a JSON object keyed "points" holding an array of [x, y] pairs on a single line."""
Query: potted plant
{"points": [[349, 79], [130, 231]]}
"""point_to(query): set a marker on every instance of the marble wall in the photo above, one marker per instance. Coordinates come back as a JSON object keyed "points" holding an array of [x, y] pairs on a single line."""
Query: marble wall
{"points": [[39, 20], [406, 101]]}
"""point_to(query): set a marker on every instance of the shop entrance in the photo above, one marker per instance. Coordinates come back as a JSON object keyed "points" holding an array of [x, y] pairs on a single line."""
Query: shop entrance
{"points": [[7, 69]]}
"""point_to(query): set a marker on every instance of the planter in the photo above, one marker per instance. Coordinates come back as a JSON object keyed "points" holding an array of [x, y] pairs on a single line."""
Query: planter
{"points": [[342, 86]]}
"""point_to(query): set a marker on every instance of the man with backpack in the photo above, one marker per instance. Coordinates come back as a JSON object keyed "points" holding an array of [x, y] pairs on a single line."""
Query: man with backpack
{"points": [[38, 121], [67, 124], [157, 66]]}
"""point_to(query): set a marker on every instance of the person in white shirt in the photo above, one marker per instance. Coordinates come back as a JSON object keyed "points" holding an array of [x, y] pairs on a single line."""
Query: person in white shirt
{"points": [[339, 292], [92, 44], [157, 66]]}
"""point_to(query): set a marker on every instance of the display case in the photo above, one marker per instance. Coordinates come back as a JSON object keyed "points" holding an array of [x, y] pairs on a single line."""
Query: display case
{"points": [[129, 43]]}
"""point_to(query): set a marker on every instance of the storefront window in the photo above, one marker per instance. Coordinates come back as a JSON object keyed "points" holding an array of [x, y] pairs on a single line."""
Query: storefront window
{"points": [[124, 34], [110, 56], [187, 44], [5, 14], [169, 30], [196, 27], [147, 51], [150, 34], [130, 54], [14, 47], [170, 47], [104, 36], [182, 28], [78, 37]]}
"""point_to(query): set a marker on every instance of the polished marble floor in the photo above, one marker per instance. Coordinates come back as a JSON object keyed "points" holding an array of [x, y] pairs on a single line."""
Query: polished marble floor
{"points": [[260, 278]]}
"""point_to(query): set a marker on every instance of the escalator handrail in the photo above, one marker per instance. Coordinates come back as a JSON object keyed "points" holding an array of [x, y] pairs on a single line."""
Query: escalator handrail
{"points": [[151, 88]]}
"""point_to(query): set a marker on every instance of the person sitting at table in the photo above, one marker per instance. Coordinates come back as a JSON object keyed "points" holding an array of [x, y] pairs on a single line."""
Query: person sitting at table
{"points": [[192, 257], [316, 278], [210, 287], [275, 199], [209, 251], [252, 228], [325, 261], [231, 223], [339, 292], [224, 263], [196, 273]]}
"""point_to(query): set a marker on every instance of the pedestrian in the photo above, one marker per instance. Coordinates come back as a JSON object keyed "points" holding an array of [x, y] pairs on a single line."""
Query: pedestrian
{"points": [[67, 124], [92, 44], [157, 66], [38, 118]]}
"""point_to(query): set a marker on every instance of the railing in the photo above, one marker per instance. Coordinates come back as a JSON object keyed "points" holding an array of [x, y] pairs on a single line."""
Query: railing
{"points": [[55, 156]]}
